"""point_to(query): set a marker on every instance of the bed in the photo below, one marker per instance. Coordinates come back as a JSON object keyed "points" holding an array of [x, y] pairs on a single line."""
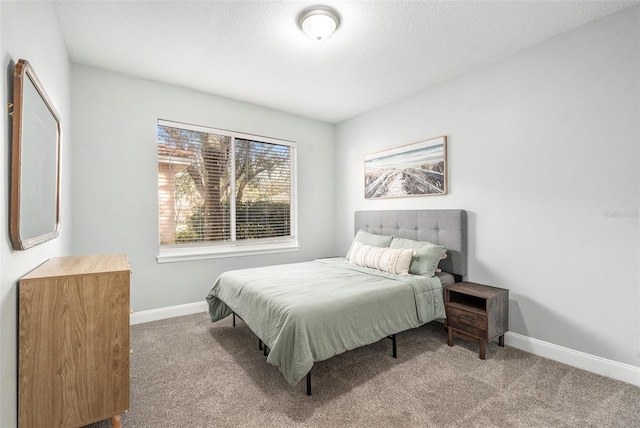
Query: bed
{"points": [[310, 311]]}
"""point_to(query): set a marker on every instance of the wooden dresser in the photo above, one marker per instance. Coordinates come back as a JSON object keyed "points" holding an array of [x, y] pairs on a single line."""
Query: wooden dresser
{"points": [[73, 342]]}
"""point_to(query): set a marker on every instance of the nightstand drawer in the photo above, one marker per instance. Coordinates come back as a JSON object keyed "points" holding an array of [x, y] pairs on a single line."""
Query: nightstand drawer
{"points": [[468, 318], [470, 330]]}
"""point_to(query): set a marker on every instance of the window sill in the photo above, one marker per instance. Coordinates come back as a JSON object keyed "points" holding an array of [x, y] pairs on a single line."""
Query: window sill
{"points": [[171, 255]]}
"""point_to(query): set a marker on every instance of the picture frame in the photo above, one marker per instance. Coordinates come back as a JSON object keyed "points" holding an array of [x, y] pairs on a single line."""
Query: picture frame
{"points": [[417, 169]]}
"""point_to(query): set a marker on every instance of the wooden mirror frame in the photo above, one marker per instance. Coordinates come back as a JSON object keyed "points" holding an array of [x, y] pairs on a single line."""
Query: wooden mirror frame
{"points": [[34, 210]]}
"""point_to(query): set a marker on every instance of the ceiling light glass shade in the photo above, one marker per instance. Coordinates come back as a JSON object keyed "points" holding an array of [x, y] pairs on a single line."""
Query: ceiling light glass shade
{"points": [[319, 22]]}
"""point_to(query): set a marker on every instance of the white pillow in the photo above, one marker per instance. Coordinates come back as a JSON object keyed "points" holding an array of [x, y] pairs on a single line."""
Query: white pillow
{"points": [[390, 260]]}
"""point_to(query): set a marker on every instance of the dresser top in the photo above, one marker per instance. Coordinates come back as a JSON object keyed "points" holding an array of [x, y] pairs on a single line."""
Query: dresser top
{"points": [[79, 265]]}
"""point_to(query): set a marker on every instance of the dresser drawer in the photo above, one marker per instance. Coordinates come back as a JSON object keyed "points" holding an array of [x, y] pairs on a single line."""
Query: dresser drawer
{"points": [[468, 321]]}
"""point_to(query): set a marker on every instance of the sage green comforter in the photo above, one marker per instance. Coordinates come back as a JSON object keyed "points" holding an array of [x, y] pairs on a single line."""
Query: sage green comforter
{"points": [[311, 311]]}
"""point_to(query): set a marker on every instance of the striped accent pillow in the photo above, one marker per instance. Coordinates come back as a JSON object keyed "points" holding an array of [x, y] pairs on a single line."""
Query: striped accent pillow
{"points": [[390, 260]]}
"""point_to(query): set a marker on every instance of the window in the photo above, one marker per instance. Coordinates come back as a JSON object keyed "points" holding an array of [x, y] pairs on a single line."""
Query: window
{"points": [[223, 193]]}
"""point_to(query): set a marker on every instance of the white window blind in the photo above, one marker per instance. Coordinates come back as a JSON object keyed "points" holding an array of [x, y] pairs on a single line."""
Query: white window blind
{"points": [[219, 189]]}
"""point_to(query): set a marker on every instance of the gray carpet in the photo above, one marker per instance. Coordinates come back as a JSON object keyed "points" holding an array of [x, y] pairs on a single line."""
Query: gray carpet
{"points": [[188, 372]]}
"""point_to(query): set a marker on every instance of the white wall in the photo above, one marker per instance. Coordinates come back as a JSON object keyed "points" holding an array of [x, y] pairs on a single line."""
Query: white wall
{"points": [[29, 30], [543, 152], [115, 204]]}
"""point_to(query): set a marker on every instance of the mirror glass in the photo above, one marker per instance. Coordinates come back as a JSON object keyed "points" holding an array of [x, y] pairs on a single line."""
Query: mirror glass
{"points": [[35, 171]]}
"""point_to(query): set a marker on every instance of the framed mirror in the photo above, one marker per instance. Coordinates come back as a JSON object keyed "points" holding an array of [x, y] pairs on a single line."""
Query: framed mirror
{"points": [[35, 162]]}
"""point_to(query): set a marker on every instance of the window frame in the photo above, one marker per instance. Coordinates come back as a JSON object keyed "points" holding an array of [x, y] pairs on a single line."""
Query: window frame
{"points": [[222, 249]]}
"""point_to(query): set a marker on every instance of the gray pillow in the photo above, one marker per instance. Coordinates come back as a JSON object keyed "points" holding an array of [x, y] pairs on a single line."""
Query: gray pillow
{"points": [[370, 239], [427, 256]]}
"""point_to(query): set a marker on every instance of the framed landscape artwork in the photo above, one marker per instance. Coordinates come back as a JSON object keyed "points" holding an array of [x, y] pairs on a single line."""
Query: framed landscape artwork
{"points": [[418, 169]]}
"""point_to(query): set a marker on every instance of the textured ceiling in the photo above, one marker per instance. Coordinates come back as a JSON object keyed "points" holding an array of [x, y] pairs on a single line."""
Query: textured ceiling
{"points": [[253, 51]]}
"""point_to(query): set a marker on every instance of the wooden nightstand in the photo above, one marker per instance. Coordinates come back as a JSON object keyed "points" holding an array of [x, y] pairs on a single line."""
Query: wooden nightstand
{"points": [[476, 312]]}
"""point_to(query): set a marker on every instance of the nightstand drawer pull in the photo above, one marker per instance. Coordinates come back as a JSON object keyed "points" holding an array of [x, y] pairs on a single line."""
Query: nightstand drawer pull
{"points": [[469, 319]]}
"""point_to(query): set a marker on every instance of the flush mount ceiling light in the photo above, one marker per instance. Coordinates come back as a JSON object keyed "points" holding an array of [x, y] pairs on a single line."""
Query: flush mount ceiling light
{"points": [[319, 22]]}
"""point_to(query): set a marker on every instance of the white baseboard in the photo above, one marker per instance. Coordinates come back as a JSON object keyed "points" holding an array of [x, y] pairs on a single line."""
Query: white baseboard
{"points": [[602, 366], [168, 312], [591, 363]]}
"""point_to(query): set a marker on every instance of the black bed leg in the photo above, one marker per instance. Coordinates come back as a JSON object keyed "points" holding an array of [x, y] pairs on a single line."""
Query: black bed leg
{"points": [[309, 383], [234, 318], [260, 344], [395, 349]]}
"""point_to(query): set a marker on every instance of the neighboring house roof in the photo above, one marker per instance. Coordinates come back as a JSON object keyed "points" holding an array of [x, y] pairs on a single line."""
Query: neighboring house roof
{"points": [[170, 154]]}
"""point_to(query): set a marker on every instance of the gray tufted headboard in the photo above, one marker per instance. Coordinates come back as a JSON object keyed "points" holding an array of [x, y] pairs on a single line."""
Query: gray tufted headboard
{"points": [[443, 227]]}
